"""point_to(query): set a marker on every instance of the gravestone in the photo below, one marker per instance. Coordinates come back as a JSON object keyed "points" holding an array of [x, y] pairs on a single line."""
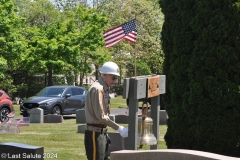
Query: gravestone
{"points": [[112, 117], [81, 128], [80, 116], [36, 115], [11, 150], [162, 117], [117, 142], [51, 118], [121, 119], [9, 128]]}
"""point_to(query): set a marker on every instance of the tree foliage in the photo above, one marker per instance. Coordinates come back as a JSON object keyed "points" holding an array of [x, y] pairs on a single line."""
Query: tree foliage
{"points": [[149, 23], [61, 42], [201, 44], [12, 44], [56, 42]]}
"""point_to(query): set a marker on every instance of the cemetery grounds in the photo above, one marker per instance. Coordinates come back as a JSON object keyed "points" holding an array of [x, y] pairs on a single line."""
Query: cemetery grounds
{"points": [[61, 140]]}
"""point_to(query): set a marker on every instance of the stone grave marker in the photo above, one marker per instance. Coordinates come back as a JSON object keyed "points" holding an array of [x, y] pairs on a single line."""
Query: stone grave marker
{"points": [[81, 128], [121, 119], [80, 116], [51, 118], [117, 142], [112, 117], [9, 128], [36, 115]]}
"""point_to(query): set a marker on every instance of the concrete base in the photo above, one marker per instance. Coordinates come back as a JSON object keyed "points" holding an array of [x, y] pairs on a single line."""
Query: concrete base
{"points": [[167, 154]]}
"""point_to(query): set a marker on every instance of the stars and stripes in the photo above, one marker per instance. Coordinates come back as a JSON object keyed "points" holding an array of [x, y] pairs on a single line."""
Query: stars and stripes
{"points": [[127, 31], [131, 37]]}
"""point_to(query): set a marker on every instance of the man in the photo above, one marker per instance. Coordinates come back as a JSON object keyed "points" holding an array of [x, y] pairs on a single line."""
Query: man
{"points": [[97, 110]]}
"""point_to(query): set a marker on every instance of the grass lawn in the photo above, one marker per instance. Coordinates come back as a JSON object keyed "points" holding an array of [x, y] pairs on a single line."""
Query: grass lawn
{"points": [[62, 139], [118, 102]]}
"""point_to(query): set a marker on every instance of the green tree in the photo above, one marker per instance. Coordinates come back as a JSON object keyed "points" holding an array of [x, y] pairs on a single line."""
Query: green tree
{"points": [[98, 57], [61, 42], [201, 45], [38, 12], [11, 44], [84, 27], [149, 23]]}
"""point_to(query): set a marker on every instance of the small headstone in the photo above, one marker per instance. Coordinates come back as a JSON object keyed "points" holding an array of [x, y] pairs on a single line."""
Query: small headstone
{"points": [[117, 142], [80, 116], [112, 117], [162, 117], [9, 128], [121, 119], [81, 128], [36, 115], [51, 118]]}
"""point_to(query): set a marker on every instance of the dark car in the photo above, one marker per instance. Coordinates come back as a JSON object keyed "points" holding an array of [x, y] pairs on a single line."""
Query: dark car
{"points": [[6, 106], [58, 100]]}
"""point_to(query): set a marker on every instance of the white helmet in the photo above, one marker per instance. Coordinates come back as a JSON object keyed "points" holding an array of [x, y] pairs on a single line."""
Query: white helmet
{"points": [[110, 68]]}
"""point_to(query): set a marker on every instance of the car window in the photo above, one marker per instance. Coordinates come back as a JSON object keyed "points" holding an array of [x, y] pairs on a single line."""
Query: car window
{"points": [[77, 91], [81, 91], [68, 91], [51, 92], [55, 92]]}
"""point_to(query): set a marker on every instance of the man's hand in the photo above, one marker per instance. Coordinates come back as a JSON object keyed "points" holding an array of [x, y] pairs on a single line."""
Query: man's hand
{"points": [[123, 131]]}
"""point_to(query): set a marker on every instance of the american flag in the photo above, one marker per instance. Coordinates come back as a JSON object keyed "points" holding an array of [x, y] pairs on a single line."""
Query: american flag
{"points": [[127, 31]]}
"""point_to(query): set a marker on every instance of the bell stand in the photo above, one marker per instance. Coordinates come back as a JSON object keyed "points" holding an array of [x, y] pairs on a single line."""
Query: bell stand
{"points": [[136, 88]]}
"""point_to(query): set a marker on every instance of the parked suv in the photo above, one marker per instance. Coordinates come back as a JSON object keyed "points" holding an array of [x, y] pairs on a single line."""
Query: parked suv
{"points": [[6, 106], [58, 100]]}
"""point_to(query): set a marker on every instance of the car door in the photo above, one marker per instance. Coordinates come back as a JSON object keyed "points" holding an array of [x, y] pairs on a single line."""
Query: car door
{"points": [[79, 97], [69, 102]]}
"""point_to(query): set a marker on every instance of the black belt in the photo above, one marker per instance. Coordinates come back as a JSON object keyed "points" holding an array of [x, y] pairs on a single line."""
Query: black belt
{"points": [[97, 125], [96, 129]]}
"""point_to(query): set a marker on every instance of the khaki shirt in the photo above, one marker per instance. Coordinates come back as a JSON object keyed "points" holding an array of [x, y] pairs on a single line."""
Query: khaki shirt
{"points": [[97, 107]]}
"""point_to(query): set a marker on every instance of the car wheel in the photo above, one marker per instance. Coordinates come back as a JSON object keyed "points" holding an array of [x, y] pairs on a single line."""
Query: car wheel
{"points": [[3, 114], [56, 110]]}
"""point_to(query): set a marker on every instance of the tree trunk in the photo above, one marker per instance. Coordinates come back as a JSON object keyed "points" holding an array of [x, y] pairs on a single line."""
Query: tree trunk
{"points": [[50, 72]]}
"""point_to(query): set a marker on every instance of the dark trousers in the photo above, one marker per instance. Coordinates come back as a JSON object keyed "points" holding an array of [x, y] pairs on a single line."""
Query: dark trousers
{"points": [[96, 145]]}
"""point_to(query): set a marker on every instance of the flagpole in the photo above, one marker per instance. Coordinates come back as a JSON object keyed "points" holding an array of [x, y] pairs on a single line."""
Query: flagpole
{"points": [[135, 61], [135, 70]]}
